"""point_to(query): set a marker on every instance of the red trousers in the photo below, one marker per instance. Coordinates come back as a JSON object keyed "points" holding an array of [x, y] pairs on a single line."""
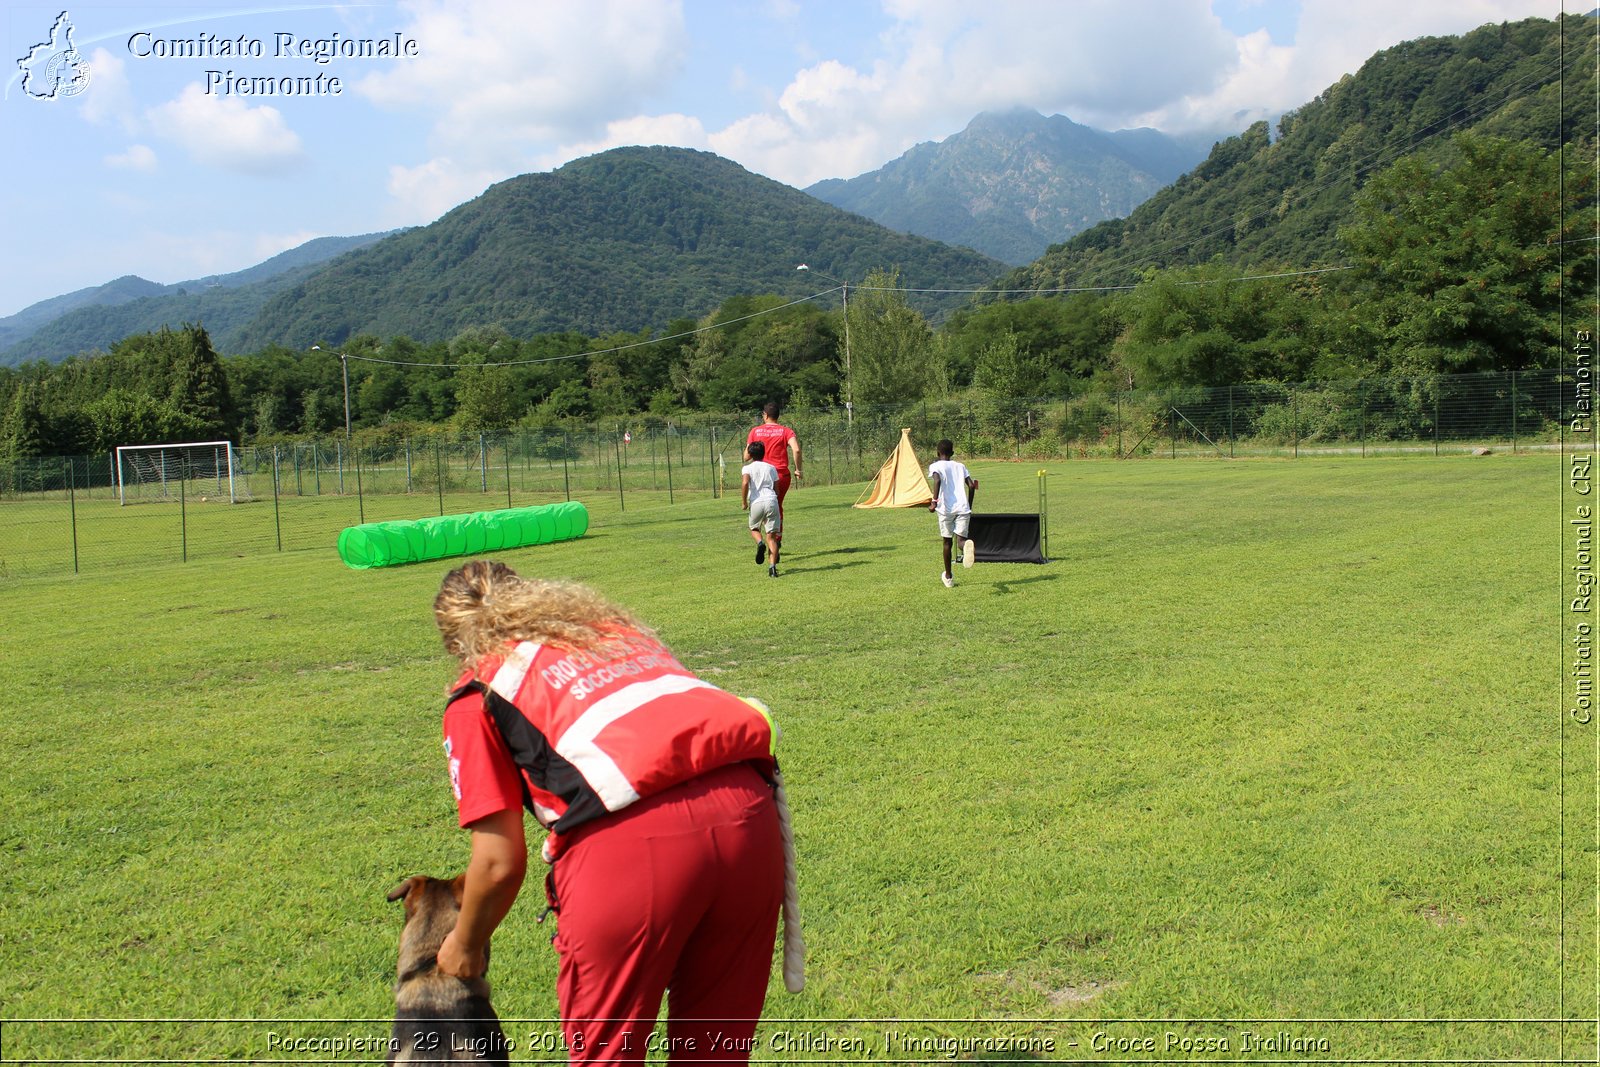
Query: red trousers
{"points": [[680, 891], [784, 482]]}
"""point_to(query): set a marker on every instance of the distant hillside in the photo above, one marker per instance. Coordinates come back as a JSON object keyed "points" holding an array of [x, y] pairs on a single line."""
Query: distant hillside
{"points": [[311, 254], [1014, 183], [1259, 199], [629, 239], [97, 317], [14, 328]]}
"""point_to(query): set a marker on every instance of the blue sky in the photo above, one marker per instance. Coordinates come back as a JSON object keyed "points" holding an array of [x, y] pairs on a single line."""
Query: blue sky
{"points": [[158, 168]]}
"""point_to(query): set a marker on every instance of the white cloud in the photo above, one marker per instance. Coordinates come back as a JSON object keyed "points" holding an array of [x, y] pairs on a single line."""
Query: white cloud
{"points": [[137, 157], [942, 62], [109, 98], [504, 80], [428, 190], [679, 131], [269, 245], [1105, 63], [1334, 38], [227, 133]]}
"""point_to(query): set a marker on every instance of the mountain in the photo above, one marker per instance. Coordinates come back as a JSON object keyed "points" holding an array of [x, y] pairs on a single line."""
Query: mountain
{"points": [[96, 317], [1014, 183], [626, 240], [14, 328], [1264, 199]]}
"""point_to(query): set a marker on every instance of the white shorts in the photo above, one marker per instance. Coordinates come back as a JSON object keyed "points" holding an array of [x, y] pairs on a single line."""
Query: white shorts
{"points": [[954, 525], [765, 511]]}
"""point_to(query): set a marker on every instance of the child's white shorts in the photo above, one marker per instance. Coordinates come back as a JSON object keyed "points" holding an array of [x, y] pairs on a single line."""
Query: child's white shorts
{"points": [[954, 524], [765, 512]]}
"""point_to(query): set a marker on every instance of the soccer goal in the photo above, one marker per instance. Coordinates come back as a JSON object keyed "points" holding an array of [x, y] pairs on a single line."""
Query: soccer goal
{"points": [[201, 471]]}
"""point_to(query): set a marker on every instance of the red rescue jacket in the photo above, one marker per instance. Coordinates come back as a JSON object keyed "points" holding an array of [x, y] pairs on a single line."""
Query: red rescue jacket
{"points": [[594, 731]]}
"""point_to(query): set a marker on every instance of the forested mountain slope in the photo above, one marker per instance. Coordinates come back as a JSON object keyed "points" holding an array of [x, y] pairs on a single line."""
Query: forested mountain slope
{"points": [[1282, 200], [625, 240]]}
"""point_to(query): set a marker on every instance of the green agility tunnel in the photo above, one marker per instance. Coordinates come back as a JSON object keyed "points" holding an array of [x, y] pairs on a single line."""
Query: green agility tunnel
{"points": [[387, 544]]}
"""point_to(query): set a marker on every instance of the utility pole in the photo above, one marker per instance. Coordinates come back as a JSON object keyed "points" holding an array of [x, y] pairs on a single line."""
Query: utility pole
{"points": [[844, 296]]}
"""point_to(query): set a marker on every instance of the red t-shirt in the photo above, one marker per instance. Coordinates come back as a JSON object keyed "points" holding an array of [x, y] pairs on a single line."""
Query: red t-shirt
{"points": [[776, 438]]}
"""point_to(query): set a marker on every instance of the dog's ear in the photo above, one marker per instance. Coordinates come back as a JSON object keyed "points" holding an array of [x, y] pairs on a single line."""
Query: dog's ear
{"points": [[458, 887], [399, 891]]}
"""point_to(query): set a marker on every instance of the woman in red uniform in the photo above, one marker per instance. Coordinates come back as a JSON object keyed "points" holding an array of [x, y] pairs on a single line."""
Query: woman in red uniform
{"points": [[667, 840]]}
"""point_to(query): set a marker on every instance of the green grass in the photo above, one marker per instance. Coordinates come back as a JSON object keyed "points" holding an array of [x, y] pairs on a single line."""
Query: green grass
{"points": [[1267, 740]]}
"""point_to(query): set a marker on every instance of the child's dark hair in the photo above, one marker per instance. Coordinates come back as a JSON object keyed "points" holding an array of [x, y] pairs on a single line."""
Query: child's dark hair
{"points": [[944, 448], [757, 450]]}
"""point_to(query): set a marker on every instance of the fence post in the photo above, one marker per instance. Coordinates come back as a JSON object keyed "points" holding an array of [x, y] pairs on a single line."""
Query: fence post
{"points": [[1119, 425], [711, 460], [566, 478], [1294, 420], [408, 466], [508, 470], [616, 443], [361, 500], [1513, 412], [183, 506], [830, 453], [1230, 422], [438, 474], [277, 519], [1436, 416], [668, 451], [72, 503], [1365, 408]]}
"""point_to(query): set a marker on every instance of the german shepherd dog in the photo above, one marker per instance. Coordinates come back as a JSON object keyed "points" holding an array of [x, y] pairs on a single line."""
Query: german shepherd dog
{"points": [[439, 1018]]}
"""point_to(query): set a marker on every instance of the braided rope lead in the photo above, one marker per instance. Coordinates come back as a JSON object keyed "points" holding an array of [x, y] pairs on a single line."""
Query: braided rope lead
{"points": [[794, 944]]}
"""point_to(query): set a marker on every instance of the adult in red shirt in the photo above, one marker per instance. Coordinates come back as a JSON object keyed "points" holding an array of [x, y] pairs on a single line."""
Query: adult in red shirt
{"points": [[781, 444], [668, 827]]}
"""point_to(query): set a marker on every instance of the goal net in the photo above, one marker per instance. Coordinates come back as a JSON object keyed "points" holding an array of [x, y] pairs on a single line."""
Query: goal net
{"points": [[201, 471]]}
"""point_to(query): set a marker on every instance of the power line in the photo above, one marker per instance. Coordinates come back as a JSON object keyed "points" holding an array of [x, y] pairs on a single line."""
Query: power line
{"points": [[602, 351], [827, 292]]}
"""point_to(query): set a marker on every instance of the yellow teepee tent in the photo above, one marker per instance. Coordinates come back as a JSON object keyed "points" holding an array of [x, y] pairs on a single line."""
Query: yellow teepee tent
{"points": [[899, 482]]}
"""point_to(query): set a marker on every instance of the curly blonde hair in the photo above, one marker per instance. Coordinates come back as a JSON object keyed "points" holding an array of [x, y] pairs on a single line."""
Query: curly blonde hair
{"points": [[483, 605]]}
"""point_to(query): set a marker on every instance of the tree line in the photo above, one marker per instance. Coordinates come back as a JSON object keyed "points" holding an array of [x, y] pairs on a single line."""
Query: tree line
{"points": [[1461, 261]]}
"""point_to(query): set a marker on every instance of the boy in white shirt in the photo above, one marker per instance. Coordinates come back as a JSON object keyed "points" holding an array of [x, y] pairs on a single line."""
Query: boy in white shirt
{"points": [[954, 489], [758, 493]]}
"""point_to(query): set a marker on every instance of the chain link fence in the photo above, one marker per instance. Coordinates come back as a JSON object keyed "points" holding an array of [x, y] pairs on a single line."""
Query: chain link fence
{"points": [[62, 514]]}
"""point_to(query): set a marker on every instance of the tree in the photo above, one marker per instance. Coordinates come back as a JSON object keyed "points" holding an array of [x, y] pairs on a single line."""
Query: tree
{"points": [[1071, 337], [1212, 326], [123, 417], [26, 431], [1007, 373], [891, 355], [1461, 259], [763, 348], [485, 394], [199, 385]]}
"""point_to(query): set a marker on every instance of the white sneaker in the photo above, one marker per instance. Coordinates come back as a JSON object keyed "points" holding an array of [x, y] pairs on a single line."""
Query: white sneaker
{"points": [[969, 554], [949, 582]]}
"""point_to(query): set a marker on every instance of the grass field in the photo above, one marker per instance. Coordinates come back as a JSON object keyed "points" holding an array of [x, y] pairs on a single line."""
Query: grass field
{"points": [[1270, 746]]}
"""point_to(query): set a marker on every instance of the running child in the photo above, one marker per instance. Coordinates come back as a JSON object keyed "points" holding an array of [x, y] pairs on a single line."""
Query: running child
{"points": [[758, 493], [954, 489]]}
